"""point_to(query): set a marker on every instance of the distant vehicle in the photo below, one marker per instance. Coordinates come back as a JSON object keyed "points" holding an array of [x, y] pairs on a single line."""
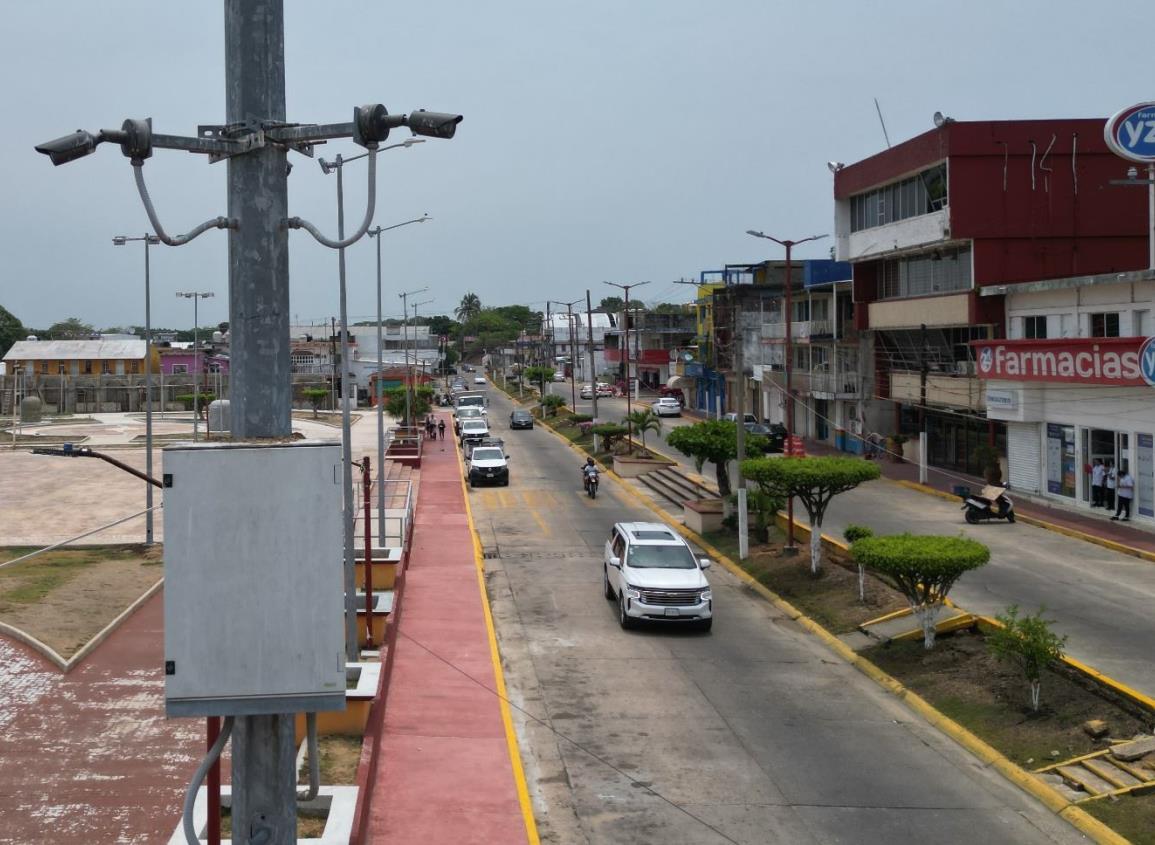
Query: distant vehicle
{"points": [[467, 368], [479, 380], [472, 431], [775, 433], [487, 464], [587, 391], [667, 406], [471, 400], [653, 574], [604, 389], [675, 392], [732, 417], [559, 375], [460, 415], [521, 419]]}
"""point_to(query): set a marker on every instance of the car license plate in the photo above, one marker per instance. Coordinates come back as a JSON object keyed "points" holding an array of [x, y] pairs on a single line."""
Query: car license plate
{"points": [[672, 611], [489, 475]]}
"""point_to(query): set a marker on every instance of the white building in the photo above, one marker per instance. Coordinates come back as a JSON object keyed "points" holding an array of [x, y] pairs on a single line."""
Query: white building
{"points": [[1073, 382], [560, 326]]}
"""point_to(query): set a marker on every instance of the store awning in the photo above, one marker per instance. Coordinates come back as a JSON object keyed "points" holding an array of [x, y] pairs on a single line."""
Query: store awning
{"points": [[679, 382]]}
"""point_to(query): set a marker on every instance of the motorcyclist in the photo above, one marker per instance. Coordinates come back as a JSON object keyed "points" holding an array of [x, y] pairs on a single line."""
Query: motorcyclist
{"points": [[588, 468]]}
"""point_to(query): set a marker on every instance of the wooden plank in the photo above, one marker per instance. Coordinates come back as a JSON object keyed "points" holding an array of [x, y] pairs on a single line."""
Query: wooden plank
{"points": [[1117, 777], [1086, 780]]}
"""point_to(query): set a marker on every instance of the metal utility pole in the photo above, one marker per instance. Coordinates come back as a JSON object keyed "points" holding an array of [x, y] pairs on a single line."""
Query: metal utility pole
{"points": [[255, 139], [626, 352], [147, 240], [405, 347], [377, 396], [788, 365], [593, 366], [571, 344], [415, 324], [740, 407], [196, 297]]}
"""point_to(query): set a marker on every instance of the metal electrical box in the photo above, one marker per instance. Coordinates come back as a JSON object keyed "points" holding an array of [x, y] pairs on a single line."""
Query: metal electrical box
{"points": [[254, 590]]}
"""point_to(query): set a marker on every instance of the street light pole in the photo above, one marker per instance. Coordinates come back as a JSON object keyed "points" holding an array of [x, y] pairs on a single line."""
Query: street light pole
{"points": [[147, 240], [196, 297], [788, 365], [405, 348], [377, 396], [571, 346], [626, 352]]}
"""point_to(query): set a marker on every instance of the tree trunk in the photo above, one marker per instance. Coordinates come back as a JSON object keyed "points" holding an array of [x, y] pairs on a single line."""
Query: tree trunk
{"points": [[723, 478], [815, 546], [861, 583], [926, 615], [1036, 688]]}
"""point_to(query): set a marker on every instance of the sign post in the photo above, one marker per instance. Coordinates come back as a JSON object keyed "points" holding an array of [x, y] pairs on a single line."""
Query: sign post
{"points": [[1130, 134]]}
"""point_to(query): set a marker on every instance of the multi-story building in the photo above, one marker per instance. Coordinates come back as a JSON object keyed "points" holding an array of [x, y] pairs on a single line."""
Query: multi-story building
{"points": [[650, 343], [569, 336], [930, 224], [79, 357]]}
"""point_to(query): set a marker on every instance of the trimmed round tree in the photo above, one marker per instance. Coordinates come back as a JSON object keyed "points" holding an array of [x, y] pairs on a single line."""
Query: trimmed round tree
{"points": [[922, 568], [715, 441], [815, 481]]}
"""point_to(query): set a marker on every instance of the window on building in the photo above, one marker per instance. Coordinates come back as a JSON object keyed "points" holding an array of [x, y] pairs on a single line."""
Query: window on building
{"points": [[1035, 328], [1140, 323], [927, 274], [921, 194], [801, 311], [133, 367], [179, 369], [801, 358], [1105, 324], [88, 368], [61, 369]]}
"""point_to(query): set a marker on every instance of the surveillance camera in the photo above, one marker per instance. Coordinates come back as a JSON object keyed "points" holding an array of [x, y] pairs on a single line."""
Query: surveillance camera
{"points": [[433, 124], [69, 147], [371, 124]]}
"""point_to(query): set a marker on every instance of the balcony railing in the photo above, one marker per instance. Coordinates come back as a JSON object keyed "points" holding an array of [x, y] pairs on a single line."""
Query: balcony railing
{"points": [[800, 330], [836, 384]]}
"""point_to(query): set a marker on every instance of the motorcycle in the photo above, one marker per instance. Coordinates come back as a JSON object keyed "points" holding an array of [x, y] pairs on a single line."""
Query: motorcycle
{"points": [[591, 483], [992, 503]]}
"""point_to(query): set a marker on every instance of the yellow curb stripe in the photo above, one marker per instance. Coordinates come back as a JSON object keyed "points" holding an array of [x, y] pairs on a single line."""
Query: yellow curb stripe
{"points": [[499, 676], [1049, 797], [1075, 533]]}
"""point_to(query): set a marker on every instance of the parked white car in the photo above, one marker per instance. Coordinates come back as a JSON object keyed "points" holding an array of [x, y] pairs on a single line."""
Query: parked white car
{"points": [[667, 406], [653, 574], [587, 391]]}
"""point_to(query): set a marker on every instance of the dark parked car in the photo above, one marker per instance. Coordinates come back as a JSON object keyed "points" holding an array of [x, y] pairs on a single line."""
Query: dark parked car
{"points": [[775, 433], [521, 419]]}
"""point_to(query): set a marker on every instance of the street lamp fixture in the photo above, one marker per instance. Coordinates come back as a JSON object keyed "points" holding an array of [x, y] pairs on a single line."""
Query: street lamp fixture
{"points": [[147, 240], [196, 297]]}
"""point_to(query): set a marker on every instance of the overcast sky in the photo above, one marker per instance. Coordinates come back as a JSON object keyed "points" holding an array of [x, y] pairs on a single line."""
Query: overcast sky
{"points": [[621, 140]]}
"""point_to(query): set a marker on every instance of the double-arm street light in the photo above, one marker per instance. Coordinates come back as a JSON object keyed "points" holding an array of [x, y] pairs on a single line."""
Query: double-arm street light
{"points": [[626, 352], [573, 357], [787, 364], [404, 296], [147, 240], [196, 297], [378, 398]]}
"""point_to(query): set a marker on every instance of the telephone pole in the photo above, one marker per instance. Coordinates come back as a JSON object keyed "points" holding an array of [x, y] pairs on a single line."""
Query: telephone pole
{"points": [[626, 353]]}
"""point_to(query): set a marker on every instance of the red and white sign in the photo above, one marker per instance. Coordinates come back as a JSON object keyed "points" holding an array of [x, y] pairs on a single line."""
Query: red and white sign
{"points": [[1095, 360]]}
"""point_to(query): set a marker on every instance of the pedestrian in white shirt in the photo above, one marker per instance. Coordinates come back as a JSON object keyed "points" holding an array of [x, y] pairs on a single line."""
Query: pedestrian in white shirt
{"points": [[1098, 477], [1126, 492], [1112, 477]]}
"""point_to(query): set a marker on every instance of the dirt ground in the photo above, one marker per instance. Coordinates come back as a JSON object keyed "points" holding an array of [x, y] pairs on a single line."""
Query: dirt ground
{"points": [[64, 598]]}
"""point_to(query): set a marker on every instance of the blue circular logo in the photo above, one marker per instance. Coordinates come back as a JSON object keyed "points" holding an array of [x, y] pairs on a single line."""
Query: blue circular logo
{"points": [[1147, 361], [986, 359], [1130, 133]]}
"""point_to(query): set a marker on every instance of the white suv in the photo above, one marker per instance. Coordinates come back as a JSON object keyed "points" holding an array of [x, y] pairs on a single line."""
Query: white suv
{"points": [[668, 406], [653, 574]]}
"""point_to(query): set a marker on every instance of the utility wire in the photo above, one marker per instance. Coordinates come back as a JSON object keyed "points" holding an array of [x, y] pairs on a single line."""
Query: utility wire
{"points": [[568, 739], [8, 563]]}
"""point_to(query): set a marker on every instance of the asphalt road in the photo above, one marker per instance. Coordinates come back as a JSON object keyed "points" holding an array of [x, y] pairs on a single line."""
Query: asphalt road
{"points": [[754, 733], [1101, 599]]}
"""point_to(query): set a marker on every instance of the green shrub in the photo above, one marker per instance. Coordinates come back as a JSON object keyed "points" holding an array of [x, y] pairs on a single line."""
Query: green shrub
{"points": [[857, 532], [1029, 643]]}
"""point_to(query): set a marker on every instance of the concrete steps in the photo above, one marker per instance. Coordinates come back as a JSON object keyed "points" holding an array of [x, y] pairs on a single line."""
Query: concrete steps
{"points": [[1102, 774], [671, 485]]}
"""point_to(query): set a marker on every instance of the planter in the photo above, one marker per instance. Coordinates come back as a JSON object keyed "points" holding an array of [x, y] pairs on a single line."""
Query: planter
{"points": [[703, 515], [630, 467], [385, 563], [382, 607], [365, 679], [336, 804]]}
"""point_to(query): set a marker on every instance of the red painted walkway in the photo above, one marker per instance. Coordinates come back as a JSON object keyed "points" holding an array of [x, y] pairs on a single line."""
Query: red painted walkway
{"points": [[445, 771], [89, 756]]}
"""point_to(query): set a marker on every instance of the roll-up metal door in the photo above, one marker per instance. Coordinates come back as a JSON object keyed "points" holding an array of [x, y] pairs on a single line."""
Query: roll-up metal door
{"points": [[1024, 455]]}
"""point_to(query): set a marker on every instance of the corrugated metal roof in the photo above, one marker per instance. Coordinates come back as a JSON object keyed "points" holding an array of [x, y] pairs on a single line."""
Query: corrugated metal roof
{"points": [[67, 350]]}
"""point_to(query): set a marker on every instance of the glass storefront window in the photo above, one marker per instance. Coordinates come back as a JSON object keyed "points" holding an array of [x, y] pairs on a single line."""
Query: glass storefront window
{"points": [[1061, 459]]}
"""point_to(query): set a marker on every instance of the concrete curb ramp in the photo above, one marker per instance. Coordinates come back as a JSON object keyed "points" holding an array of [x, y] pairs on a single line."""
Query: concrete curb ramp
{"points": [[1047, 795]]}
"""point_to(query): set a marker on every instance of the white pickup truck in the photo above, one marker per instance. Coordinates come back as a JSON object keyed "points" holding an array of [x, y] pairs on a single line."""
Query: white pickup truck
{"points": [[487, 464]]}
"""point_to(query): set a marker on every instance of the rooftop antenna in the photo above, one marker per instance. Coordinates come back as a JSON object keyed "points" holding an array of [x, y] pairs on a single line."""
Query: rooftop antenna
{"points": [[878, 109]]}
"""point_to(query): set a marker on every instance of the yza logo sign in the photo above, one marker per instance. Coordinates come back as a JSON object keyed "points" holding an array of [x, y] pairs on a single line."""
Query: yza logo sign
{"points": [[1147, 361], [1130, 133]]}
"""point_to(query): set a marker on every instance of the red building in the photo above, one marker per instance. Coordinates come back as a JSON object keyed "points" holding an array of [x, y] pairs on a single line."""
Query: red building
{"points": [[930, 222]]}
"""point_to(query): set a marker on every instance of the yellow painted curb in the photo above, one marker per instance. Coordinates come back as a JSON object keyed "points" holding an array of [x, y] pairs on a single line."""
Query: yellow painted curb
{"points": [[1092, 827], [1075, 533], [499, 676]]}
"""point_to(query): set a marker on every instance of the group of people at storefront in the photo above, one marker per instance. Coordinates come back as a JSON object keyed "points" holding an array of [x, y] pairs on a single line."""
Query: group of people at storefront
{"points": [[1112, 488]]}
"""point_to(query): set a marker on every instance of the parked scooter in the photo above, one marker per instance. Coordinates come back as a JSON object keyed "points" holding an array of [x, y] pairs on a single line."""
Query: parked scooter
{"points": [[992, 503]]}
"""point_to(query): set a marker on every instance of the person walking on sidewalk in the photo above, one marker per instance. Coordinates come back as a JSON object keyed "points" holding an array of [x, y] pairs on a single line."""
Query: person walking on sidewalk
{"points": [[1098, 477], [441, 429], [1125, 492], [1111, 479]]}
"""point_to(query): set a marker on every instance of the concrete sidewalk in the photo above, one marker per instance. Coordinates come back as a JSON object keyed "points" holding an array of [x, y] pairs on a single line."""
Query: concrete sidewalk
{"points": [[446, 769]]}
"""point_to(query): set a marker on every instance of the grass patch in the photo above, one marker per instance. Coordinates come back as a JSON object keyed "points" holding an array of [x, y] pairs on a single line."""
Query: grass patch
{"points": [[1133, 818], [33, 580], [339, 756], [308, 826]]}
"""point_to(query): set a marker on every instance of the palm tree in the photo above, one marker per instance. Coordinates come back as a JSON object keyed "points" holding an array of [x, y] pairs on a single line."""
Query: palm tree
{"points": [[645, 420], [469, 308]]}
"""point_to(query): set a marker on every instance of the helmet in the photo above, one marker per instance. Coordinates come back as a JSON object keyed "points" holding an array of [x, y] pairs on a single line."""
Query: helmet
{"points": [[589, 462]]}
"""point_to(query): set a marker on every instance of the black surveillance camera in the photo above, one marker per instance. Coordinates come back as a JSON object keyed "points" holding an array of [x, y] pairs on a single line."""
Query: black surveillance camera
{"points": [[70, 147], [433, 124], [371, 124]]}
